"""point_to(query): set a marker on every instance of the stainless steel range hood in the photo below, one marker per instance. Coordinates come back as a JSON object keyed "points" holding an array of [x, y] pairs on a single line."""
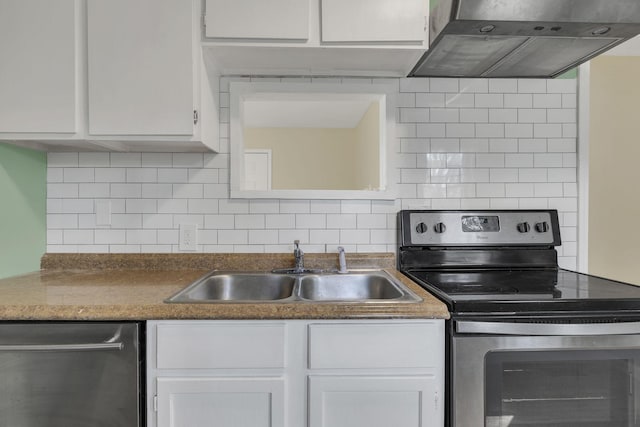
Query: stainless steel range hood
{"points": [[522, 38]]}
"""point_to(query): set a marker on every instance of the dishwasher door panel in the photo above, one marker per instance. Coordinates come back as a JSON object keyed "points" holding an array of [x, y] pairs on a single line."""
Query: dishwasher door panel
{"points": [[69, 374]]}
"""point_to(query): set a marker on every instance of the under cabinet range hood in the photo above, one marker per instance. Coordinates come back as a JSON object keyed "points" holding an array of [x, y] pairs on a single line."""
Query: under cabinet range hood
{"points": [[522, 38]]}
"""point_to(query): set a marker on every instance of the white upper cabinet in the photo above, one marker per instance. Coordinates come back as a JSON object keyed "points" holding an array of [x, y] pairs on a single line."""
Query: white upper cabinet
{"points": [[378, 38], [373, 21], [38, 71], [257, 19], [140, 67]]}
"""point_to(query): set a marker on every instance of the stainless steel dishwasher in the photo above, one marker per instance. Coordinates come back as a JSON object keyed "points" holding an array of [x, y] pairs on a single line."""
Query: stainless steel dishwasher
{"points": [[70, 374]]}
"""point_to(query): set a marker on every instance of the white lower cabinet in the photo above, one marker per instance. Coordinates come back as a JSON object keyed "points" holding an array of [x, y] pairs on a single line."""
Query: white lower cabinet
{"points": [[373, 401], [295, 373], [237, 402]]}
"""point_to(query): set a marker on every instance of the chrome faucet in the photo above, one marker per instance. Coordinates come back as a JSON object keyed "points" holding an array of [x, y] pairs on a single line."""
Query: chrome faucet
{"points": [[342, 260], [299, 257]]}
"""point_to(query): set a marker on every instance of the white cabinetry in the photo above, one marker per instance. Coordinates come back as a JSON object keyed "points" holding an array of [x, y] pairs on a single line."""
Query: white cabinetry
{"points": [[295, 373], [237, 402], [316, 37], [38, 72], [358, 21], [140, 71], [256, 19], [373, 401], [121, 75]]}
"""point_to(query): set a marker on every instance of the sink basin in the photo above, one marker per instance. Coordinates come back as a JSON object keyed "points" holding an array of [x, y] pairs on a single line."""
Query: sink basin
{"points": [[228, 287], [349, 287], [217, 287]]}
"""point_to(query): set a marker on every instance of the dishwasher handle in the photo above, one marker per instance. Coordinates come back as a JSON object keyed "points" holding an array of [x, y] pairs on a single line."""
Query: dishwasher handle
{"points": [[103, 346], [547, 329]]}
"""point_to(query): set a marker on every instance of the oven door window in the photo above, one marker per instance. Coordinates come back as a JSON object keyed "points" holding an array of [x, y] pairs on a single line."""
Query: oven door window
{"points": [[576, 388]]}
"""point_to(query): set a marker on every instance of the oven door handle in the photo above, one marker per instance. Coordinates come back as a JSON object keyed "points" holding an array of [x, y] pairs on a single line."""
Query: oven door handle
{"points": [[547, 329]]}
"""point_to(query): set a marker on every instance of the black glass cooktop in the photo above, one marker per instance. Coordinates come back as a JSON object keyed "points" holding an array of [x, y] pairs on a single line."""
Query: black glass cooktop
{"points": [[533, 290]]}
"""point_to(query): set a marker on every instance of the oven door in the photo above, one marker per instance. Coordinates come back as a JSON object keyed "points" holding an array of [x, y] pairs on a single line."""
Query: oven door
{"points": [[525, 374]]}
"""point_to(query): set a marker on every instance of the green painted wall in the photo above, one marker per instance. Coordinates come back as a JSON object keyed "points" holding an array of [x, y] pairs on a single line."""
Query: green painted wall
{"points": [[23, 193]]}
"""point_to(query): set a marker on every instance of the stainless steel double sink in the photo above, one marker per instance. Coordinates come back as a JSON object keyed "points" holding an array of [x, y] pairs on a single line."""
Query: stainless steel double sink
{"points": [[358, 286]]}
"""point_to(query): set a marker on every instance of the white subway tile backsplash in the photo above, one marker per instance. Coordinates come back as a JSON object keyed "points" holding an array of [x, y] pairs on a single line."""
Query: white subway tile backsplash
{"points": [[503, 86], [541, 130], [142, 175], [490, 100], [311, 221], [461, 143], [78, 175], [442, 145], [503, 175], [474, 115], [340, 221], [415, 145], [131, 160], [93, 160], [414, 115], [202, 206], [430, 100], [490, 160], [61, 160], [503, 145], [110, 175], [94, 191], [414, 85], [490, 130], [460, 130], [110, 237], [518, 130], [226, 222], [503, 115], [173, 175], [444, 85], [532, 175], [61, 191], [127, 191], [156, 160], [490, 190], [433, 191], [474, 85], [474, 145], [518, 100], [431, 130], [459, 100], [548, 190], [532, 86]]}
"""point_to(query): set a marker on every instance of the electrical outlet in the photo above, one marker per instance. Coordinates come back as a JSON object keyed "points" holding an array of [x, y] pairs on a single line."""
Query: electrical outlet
{"points": [[188, 237], [103, 212]]}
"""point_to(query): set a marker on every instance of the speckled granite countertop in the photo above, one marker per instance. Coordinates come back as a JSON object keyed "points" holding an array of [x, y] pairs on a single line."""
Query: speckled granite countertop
{"points": [[134, 287]]}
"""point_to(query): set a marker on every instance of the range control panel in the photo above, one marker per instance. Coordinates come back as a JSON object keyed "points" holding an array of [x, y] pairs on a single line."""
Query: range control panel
{"points": [[479, 228]]}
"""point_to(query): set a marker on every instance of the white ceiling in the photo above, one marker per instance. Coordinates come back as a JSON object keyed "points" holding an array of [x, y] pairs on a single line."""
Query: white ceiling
{"points": [[304, 113], [628, 48]]}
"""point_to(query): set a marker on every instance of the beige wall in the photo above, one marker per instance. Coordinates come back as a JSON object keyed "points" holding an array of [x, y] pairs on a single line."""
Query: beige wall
{"points": [[367, 150], [614, 168], [327, 157]]}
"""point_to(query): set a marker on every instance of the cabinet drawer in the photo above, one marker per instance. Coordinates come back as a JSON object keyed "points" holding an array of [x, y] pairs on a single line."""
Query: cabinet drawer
{"points": [[214, 346], [369, 346]]}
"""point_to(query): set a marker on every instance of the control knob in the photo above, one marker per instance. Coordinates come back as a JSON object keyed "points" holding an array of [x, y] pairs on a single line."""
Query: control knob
{"points": [[439, 228], [542, 227], [523, 227], [421, 228]]}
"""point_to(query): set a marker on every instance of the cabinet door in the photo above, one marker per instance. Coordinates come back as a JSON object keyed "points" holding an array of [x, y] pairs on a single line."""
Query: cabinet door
{"points": [[140, 75], [38, 71], [374, 401], [223, 402], [257, 19], [374, 21]]}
